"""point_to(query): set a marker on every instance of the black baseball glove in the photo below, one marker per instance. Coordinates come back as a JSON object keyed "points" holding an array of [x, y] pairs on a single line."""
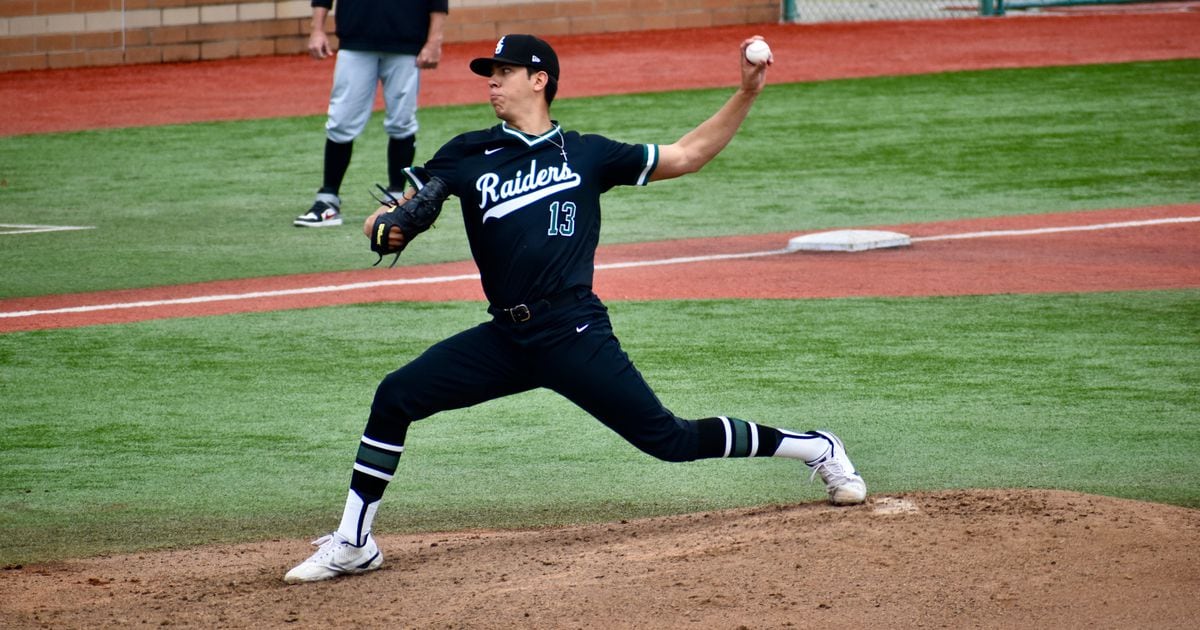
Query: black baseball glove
{"points": [[412, 217]]}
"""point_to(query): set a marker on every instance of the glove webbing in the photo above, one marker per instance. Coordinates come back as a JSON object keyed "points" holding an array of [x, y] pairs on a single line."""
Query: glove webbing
{"points": [[412, 217]]}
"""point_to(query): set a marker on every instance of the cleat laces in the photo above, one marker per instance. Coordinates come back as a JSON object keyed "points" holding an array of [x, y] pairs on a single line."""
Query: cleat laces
{"points": [[829, 471], [326, 547]]}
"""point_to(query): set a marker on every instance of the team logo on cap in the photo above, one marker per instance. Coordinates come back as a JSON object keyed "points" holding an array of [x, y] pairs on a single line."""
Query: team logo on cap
{"points": [[536, 59], [499, 46]]}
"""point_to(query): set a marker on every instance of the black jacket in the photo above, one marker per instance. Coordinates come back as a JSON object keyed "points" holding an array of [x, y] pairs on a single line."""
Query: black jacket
{"points": [[394, 26]]}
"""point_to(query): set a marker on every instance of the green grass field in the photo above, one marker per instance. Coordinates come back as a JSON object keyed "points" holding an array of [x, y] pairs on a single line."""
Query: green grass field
{"points": [[209, 201], [180, 432]]}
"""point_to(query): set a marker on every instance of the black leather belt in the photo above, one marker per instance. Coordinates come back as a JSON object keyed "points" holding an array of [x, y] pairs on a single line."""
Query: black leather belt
{"points": [[522, 313]]}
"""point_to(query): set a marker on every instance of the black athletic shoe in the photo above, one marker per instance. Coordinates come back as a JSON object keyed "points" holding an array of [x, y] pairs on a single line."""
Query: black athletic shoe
{"points": [[325, 212]]}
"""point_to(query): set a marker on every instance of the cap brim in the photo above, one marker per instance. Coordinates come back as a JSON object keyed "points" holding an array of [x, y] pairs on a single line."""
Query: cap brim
{"points": [[483, 65]]}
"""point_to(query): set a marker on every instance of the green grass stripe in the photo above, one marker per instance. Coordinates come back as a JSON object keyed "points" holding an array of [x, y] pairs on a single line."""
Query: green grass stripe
{"points": [[210, 201], [178, 432]]}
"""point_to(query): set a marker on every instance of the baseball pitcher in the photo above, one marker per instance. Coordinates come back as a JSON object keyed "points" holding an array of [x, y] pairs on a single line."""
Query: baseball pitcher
{"points": [[529, 191]]}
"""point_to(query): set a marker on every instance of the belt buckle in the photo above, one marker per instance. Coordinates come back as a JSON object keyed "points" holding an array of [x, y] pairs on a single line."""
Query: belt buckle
{"points": [[520, 313]]}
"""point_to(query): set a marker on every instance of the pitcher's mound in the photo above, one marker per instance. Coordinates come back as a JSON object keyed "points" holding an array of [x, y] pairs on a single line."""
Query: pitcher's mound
{"points": [[993, 559]]}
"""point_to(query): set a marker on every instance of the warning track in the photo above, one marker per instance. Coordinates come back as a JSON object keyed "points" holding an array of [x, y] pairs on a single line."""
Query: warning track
{"points": [[610, 63]]}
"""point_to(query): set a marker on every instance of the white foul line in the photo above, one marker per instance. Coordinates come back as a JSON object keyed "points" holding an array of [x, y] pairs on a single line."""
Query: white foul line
{"points": [[356, 286], [16, 228], [687, 259], [203, 299], [1052, 230]]}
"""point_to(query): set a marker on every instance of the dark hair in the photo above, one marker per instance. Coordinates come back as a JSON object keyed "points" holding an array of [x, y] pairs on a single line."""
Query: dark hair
{"points": [[551, 85]]}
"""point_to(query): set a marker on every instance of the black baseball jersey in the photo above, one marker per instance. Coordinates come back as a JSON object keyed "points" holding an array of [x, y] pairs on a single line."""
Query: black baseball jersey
{"points": [[392, 26], [531, 204]]}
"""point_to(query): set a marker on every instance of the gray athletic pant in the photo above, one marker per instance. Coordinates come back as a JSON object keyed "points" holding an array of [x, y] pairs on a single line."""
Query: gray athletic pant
{"points": [[355, 77]]}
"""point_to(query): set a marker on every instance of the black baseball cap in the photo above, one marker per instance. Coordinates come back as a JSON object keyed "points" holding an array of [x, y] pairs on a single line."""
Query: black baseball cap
{"points": [[519, 50]]}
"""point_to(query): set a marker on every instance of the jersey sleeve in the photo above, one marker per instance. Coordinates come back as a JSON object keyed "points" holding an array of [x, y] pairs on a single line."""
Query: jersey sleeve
{"points": [[623, 164], [443, 165]]}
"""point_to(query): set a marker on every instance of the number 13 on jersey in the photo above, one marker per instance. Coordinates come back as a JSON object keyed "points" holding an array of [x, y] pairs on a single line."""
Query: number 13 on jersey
{"points": [[562, 219]]}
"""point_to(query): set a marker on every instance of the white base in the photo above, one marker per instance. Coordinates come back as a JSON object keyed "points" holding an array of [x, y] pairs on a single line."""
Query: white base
{"points": [[848, 241]]}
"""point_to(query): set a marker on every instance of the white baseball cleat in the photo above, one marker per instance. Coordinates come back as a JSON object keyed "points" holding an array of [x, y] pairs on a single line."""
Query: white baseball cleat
{"points": [[336, 556], [843, 483]]}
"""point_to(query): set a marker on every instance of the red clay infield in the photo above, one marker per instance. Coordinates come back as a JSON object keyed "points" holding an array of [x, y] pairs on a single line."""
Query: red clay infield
{"points": [[1122, 250]]}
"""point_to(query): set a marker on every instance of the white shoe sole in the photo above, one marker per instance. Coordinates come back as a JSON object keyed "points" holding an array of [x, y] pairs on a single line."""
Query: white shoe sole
{"points": [[850, 493], [329, 223]]}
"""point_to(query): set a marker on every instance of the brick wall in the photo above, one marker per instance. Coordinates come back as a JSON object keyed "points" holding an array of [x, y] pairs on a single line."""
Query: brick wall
{"points": [[39, 34]]}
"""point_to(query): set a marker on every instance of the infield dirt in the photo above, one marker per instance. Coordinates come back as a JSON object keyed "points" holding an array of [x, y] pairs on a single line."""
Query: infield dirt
{"points": [[954, 559], [961, 558]]}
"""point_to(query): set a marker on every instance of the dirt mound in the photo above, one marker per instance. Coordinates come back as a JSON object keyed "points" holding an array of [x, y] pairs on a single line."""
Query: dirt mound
{"points": [[948, 559]]}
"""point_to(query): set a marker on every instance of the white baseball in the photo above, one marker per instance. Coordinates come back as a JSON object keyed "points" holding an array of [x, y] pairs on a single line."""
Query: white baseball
{"points": [[757, 52]]}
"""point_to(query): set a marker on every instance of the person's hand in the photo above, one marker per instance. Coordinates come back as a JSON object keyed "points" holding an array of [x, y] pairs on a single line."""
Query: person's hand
{"points": [[370, 221], [754, 76], [430, 55], [395, 236], [318, 45]]}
